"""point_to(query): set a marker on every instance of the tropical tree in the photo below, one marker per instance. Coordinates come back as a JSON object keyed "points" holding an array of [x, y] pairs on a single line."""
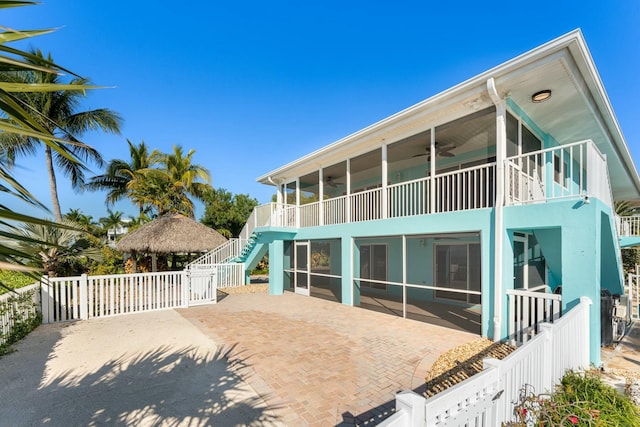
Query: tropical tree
{"points": [[121, 177], [169, 187], [111, 221], [227, 213], [49, 246], [56, 112], [19, 121]]}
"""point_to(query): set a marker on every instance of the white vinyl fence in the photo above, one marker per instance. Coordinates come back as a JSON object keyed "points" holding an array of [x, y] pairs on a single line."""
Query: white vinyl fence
{"points": [[85, 297], [633, 294], [17, 307], [488, 398], [528, 309]]}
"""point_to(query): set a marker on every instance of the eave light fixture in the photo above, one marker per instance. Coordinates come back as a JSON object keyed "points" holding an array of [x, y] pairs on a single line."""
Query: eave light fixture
{"points": [[541, 96]]}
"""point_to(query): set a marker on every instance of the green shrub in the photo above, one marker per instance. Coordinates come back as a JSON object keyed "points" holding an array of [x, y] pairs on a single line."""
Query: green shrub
{"points": [[582, 399], [25, 315], [15, 279], [112, 263]]}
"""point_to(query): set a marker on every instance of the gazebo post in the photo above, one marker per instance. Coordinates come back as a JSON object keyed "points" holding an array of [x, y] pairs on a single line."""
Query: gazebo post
{"points": [[134, 266], [154, 262]]}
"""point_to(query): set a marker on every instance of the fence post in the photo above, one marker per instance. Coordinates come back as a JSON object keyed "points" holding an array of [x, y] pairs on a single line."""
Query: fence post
{"points": [[84, 303], [585, 354], [46, 300], [548, 362], [414, 405], [497, 410], [186, 285]]}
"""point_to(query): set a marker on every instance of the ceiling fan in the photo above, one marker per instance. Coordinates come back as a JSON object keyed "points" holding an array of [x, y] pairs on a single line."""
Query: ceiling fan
{"points": [[442, 150], [329, 181]]}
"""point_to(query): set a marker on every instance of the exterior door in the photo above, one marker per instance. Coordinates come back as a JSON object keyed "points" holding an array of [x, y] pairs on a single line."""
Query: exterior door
{"points": [[301, 279]]}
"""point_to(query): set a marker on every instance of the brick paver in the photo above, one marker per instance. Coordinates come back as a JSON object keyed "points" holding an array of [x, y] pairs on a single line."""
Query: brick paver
{"points": [[321, 363]]}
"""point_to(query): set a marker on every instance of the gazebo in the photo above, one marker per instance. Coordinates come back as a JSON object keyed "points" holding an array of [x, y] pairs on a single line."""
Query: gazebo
{"points": [[170, 234]]}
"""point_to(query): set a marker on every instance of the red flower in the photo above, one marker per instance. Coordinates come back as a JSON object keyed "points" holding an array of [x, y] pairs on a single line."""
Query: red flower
{"points": [[573, 419]]}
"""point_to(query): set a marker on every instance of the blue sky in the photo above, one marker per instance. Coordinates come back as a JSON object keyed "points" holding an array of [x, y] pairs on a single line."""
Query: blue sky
{"points": [[253, 85]]}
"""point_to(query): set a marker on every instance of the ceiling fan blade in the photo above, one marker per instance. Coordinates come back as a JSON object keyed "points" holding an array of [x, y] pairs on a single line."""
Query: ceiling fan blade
{"points": [[446, 154]]}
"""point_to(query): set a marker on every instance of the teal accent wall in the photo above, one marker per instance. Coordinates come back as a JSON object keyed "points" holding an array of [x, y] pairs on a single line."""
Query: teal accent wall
{"points": [[611, 275], [473, 221], [354, 271], [550, 241], [276, 267], [582, 261]]}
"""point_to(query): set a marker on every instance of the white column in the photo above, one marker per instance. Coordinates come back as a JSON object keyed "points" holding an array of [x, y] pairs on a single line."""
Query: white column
{"points": [[348, 185], [404, 276], [432, 171], [384, 198], [279, 193], [501, 148], [297, 202], [321, 196]]}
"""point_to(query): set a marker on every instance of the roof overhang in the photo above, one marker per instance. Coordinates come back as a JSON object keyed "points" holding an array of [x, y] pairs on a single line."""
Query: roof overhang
{"points": [[579, 109]]}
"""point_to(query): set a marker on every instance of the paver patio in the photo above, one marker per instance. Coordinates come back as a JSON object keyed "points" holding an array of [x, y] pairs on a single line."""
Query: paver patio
{"points": [[321, 363], [249, 360]]}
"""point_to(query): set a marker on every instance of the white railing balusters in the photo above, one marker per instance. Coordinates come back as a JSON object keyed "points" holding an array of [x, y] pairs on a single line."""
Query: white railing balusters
{"points": [[488, 398], [529, 309], [576, 170]]}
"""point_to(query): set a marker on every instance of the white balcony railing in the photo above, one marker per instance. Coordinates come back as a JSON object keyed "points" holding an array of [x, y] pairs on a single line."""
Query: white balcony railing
{"points": [[568, 171], [628, 225], [573, 170]]}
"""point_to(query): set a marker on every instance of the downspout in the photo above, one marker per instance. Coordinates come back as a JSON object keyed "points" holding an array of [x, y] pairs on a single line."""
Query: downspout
{"points": [[501, 146], [278, 189]]}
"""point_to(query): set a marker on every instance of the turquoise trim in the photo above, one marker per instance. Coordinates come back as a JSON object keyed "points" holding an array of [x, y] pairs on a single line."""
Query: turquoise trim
{"points": [[629, 241], [276, 267]]}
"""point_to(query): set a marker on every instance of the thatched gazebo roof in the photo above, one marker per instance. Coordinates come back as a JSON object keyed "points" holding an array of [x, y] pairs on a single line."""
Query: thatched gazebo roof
{"points": [[173, 233]]}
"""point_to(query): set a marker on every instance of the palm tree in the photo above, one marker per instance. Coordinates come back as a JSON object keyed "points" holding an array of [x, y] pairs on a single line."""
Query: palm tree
{"points": [[21, 122], [121, 176], [52, 245], [111, 222], [168, 187], [56, 112]]}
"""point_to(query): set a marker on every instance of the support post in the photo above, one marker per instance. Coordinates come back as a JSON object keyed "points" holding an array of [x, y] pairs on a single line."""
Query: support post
{"points": [[501, 147], [432, 172], [384, 197], [321, 196], [47, 300], [84, 303], [413, 405], [348, 188]]}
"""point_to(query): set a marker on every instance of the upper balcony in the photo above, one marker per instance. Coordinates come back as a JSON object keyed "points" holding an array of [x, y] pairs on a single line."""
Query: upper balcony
{"points": [[574, 171]]}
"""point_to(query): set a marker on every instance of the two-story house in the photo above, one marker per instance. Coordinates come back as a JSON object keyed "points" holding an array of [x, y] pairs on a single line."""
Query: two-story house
{"points": [[505, 181]]}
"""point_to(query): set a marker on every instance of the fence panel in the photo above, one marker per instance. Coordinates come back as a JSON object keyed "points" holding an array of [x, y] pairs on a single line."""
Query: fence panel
{"points": [[13, 310], [488, 398], [529, 309]]}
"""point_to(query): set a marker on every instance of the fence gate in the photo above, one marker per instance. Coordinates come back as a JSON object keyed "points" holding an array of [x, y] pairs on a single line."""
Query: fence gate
{"points": [[202, 286], [633, 293]]}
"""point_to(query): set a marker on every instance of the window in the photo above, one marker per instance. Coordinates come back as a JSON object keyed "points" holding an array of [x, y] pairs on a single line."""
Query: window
{"points": [[373, 265], [458, 267]]}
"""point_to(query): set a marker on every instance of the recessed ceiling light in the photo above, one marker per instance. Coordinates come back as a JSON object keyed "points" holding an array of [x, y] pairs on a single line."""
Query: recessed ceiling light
{"points": [[541, 96]]}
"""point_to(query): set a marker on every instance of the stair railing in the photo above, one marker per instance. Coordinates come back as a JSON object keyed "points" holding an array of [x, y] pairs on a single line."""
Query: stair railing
{"points": [[224, 253]]}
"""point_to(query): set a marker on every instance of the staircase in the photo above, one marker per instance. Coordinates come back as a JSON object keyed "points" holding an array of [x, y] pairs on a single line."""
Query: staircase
{"points": [[247, 248]]}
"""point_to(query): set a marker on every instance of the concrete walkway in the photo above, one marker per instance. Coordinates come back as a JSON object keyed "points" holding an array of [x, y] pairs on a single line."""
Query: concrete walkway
{"points": [[140, 369], [250, 360], [322, 363]]}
